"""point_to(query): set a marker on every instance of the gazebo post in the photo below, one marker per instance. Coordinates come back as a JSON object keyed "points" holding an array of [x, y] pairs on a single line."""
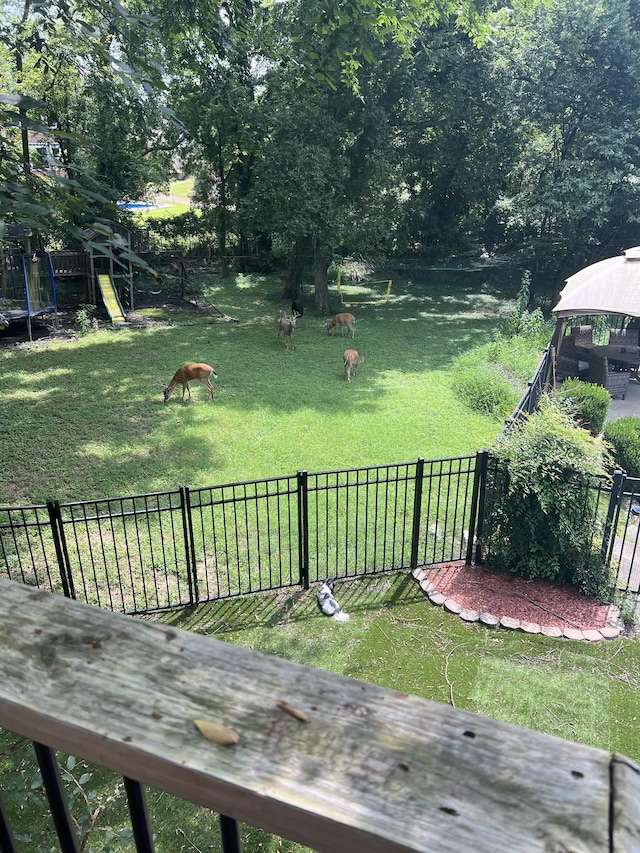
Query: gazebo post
{"points": [[558, 333]]}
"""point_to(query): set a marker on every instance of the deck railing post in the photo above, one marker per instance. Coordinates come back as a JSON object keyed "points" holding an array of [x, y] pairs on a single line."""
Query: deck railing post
{"points": [[417, 512], [189, 543], [303, 527], [56, 797], [7, 842], [230, 835], [139, 816], [60, 544]]}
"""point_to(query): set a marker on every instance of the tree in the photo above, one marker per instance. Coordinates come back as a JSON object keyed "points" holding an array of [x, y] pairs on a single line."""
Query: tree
{"points": [[456, 140], [56, 46], [207, 51], [290, 135], [339, 178], [298, 177], [574, 88]]}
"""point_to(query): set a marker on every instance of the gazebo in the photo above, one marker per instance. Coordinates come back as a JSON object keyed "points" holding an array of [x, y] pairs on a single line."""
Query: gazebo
{"points": [[610, 287]]}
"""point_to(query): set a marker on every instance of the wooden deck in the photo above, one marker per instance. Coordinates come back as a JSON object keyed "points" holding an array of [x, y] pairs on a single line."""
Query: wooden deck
{"points": [[365, 768]]}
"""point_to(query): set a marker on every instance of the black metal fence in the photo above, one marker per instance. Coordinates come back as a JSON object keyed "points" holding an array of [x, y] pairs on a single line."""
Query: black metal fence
{"points": [[536, 387], [621, 541], [148, 552], [166, 549]]}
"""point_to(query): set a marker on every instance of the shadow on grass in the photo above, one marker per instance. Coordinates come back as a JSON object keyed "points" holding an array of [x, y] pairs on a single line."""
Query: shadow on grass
{"points": [[99, 411], [293, 605]]}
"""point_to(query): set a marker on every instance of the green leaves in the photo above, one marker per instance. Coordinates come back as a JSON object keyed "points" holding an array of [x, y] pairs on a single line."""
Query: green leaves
{"points": [[59, 46], [541, 521]]}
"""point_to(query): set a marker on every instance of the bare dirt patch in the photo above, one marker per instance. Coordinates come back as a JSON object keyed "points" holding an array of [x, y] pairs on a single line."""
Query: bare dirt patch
{"points": [[64, 323]]}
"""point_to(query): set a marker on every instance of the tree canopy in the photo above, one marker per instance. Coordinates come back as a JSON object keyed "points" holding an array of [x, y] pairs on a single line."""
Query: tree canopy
{"points": [[420, 126]]}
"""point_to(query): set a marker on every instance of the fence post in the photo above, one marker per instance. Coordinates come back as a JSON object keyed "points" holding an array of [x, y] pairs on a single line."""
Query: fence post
{"points": [[303, 528], [477, 506], [60, 544], [549, 377], [417, 508], [189, 544], [612, 513]]}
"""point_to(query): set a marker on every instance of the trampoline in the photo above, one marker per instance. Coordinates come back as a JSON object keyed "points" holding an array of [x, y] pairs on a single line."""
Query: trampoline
{"points": [[27, 285]]}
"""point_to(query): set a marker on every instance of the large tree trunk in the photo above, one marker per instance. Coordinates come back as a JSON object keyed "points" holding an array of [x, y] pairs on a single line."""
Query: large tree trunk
{"points": [[320, 278], [222, 209], [300, 262]]}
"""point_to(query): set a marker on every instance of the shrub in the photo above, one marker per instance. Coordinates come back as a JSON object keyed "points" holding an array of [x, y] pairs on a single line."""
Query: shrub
{"points": [[188, 232], [590, 403], [518, 321], [485, 388], [491, 378], [540, 516], [85, 320], [623, 436]]}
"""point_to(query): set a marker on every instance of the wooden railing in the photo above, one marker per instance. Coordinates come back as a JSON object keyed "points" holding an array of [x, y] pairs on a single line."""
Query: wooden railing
{"points": [[66, 264], [325, 760]]}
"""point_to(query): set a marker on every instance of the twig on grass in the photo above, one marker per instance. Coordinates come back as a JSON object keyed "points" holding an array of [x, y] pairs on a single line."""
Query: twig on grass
{"points": [[560, 722], [552, 656], [446, 671], [385, 635], [181, 832]]}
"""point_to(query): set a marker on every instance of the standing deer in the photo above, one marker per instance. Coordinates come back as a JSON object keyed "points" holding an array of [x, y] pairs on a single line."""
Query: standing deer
{"points": [[342, 320], [202, 372], [287, 327], [351, 360]]}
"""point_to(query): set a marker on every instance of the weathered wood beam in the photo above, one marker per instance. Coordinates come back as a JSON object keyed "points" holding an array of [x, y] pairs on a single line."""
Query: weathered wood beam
{"points": [[369, 769]]}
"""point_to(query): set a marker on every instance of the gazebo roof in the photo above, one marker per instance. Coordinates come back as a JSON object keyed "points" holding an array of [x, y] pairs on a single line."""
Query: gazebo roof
{"points": [[611, 286]]}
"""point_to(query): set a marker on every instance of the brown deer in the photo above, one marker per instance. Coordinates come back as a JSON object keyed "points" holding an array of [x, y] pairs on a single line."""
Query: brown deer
{"points": [[351, 360], [202, 372], [342, 320], [287, 326]]}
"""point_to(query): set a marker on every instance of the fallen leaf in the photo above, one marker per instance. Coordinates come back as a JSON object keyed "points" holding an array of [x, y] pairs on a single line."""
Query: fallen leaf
{"points": [[217, 733]]}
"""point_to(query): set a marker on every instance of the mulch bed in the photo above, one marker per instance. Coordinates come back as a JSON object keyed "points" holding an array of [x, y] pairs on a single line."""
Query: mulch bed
{"points": [[502, 594]]}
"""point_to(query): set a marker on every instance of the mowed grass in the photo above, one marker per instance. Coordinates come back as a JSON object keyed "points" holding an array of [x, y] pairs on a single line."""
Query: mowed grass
{"points": [[584, 692], [85, 418]]}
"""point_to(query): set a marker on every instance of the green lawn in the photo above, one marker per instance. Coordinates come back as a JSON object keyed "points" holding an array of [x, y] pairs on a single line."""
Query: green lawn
{"points": [[182, 189], [585, 692], [173, 203], [85, 418]]}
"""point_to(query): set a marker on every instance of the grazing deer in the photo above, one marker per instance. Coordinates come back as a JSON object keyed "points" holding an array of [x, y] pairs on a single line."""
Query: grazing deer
{"points": [[351, 361], [202, 372], [342, 320], [287, 327]]}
